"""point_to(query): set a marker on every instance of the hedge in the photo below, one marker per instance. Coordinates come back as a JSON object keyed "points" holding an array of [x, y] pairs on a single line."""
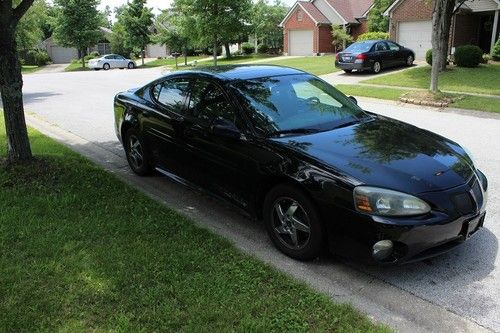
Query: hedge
{"points": [[373, 35]]}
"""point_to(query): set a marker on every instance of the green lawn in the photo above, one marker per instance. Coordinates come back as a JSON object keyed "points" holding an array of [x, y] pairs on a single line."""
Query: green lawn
{"points": [[27, 69], [315, 65], [168, 61], [471, 102], [76, 66], [81, 251], [484, 79]]}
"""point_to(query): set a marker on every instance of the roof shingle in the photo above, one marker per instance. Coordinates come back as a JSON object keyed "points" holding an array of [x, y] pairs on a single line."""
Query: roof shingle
{"points": [[350, 10], [314, 12]]}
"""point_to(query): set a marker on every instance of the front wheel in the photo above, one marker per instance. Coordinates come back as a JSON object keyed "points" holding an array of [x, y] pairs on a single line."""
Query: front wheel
{"points": [[136, 152], [131, 65], [377, 67], [293, 223], [410, 60]]}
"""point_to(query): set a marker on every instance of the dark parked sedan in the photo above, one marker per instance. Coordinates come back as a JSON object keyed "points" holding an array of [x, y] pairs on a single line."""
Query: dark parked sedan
{"points": [[290, 149], [373, 55]]}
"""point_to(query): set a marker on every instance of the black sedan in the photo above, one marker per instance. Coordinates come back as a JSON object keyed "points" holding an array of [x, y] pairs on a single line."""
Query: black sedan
{"points": [[373, 55], [290, 149]]}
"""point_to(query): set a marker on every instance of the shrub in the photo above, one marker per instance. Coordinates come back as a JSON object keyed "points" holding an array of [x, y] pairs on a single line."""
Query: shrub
{"points": [[496, 51], [92, 55], [237, 53], [36, 57], [262, 48], [428, 57], [247, 48], [373, 35], [468, 56]]}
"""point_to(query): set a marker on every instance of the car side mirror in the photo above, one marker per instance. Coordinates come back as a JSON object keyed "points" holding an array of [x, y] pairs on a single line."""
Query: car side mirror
{"points": [[353, 99], [225, 128]]}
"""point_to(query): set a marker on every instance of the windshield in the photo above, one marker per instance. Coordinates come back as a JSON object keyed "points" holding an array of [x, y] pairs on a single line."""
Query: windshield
{"points": [[293, 102], [359, 47]]}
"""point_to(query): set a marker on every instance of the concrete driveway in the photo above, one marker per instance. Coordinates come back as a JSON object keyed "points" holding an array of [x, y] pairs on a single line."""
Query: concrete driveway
{"points": [[456, 292]]}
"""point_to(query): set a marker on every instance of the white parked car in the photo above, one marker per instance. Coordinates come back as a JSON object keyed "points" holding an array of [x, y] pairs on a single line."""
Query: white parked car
{"points": [[109, 61]]}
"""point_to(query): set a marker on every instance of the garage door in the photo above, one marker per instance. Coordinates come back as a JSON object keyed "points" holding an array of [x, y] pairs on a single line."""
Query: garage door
{"points": [[62, 55], [416, 36], [301, 42]]}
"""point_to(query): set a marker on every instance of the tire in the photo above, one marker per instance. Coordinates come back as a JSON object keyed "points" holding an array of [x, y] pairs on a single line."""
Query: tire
{"points": [[96, 69], [137, 157], [409, 60], [377, 67], [106, 66], [130, 65], [348, 71], [304, 245]]}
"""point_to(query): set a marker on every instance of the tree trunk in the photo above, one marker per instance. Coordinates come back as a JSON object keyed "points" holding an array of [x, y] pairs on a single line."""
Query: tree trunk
{"points": [[83, 59], [439, 20], [185, 55], [11, 83], [228, 50], [143, 53], [449, 10], [215, 51]]}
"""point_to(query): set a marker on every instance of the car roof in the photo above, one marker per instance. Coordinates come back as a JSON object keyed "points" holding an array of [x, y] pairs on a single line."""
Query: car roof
{"points": [[241, 72]]}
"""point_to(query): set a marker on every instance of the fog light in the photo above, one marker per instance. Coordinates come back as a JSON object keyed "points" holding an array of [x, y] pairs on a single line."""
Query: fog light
{"points": [[382, 249]]}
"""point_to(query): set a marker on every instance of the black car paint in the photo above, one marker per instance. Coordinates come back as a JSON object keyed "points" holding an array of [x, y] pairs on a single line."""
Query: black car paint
{"points": [[328, 165], [388, 58]]}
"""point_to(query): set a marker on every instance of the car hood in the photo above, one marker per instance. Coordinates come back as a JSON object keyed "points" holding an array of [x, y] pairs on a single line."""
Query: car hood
{"points": [[387, 153]]}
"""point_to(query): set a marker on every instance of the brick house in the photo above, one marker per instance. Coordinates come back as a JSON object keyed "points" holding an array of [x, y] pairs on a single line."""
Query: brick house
{"points": [[476, 23], [308, 24]]}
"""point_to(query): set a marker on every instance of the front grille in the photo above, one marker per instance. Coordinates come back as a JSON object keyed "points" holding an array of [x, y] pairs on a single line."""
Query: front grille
{"points": [[463, 203], [469, 202]]}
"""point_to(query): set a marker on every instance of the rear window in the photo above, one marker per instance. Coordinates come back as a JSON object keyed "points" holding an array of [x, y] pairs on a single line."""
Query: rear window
{"points": [[359, 47]]}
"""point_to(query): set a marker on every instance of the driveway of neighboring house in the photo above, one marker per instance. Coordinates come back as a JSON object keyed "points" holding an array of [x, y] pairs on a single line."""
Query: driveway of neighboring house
{"points": [[452, 293], [52, 68]]}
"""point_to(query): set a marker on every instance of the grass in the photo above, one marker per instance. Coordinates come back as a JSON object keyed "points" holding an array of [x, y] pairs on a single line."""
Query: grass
{"points": [[315, 65], [81, 251], [169, 61], [76, 66], [487, 104], [28, 69], [482, 80]]}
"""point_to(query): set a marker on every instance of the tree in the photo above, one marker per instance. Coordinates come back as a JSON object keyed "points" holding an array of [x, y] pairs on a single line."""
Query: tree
{"points": [[340, 37], [29, 31], [265, 19], [376, 20], [214, 22], [169, 33], [77, 24], [442, 13], [11, 81], [137, 21]]}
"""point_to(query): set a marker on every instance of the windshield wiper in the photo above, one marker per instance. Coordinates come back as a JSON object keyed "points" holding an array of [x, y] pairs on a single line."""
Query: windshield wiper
{"points": [[353, 122], [295, 131]]}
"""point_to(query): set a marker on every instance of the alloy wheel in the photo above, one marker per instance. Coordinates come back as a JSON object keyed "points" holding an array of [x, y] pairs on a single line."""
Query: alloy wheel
{"points": [[376, 67], [135, 153], [409, 61], [291, 223]]}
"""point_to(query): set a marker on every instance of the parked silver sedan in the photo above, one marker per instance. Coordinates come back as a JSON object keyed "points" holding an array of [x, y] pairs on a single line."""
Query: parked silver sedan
{"points": [[109, 61]]}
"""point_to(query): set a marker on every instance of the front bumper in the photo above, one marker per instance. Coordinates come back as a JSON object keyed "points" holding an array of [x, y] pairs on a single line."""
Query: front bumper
{"points": [[415, 238]]}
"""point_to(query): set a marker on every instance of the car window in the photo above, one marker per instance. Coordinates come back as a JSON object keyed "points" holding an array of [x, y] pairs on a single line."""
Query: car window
{"points": [[108, 57], [393, 46], [171, 93], [281, 103], [381, 47], [207, 103], [359, 47], [119, 57]]}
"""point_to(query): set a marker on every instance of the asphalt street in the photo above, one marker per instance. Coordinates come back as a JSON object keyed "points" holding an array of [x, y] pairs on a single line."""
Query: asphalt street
{"points": [[432, 295]]}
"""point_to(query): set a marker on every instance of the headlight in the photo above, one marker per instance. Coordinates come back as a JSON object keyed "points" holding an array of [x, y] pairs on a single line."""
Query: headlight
{"points": [[379, 201]]}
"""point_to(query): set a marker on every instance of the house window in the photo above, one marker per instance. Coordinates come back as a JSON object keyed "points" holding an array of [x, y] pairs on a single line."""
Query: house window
{"points": [[300, 16]]}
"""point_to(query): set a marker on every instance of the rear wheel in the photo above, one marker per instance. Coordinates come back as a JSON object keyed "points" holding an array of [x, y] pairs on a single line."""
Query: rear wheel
{"points": [[377, 67], [136, 152], [106, 66], [293, 223]]}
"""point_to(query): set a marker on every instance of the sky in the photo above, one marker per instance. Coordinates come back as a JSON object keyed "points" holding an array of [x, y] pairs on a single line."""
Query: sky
{"points": [[156, 4]]}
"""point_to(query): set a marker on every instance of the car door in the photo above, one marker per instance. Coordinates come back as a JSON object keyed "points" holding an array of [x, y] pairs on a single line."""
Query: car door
{"points": [[109, 60], [383, 54], [221, 163], [397, 55], [163, 123]]}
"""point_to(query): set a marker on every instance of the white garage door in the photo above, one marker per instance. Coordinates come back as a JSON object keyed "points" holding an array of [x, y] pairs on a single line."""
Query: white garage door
{"points": [[416, 36], [300, 42], [62, 55]]}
